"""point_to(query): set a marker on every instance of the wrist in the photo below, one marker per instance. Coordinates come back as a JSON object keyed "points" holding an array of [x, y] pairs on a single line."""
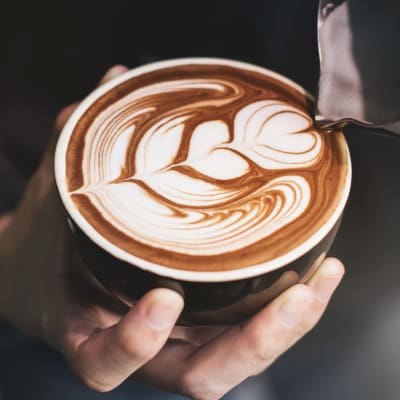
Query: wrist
{"points": [[28, 263], [16, 305]]}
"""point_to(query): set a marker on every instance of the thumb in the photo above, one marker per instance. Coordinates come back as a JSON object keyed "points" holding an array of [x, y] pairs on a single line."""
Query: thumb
{"points": [[107, 358]]}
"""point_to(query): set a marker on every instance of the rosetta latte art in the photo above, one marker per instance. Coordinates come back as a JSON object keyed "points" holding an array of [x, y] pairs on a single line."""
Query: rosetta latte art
{"points": [[199, 166], [188, 206]]}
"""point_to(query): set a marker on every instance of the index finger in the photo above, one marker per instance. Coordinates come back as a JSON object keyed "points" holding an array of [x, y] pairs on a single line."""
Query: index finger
{"points": [[251, 347]]}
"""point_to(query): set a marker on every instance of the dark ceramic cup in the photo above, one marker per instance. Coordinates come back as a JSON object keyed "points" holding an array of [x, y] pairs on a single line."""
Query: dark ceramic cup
{"points": [[210, 297]]}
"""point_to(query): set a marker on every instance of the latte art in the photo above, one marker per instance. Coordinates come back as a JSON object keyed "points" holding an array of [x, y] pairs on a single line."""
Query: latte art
{"points": [[197, 165]]}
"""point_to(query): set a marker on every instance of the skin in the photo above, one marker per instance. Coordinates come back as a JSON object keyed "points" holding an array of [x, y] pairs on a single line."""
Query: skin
{"points": [[44, 290]]}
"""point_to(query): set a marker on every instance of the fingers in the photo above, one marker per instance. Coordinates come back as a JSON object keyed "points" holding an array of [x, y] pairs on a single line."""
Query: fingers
{"points": [[248, 349], [326, 279], [5, 220], [63, 116], [323, 283], [197, 335], [112, 73], [234, 356], [108, 357], [182, 342], [158, 372]]}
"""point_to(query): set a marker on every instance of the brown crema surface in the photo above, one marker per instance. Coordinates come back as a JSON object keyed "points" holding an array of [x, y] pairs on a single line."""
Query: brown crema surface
{"points": [[248, 193]]}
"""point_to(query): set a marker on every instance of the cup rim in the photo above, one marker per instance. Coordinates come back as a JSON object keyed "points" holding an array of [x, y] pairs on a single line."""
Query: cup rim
{"points": [[168, 272]]}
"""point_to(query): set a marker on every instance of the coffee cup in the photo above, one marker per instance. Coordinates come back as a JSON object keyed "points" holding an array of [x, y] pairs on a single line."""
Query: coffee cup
{"points": [[206, 176]]}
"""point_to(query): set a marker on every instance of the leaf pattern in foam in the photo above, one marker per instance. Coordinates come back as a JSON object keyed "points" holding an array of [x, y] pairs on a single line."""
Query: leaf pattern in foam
{"points": [[276, 135], [106, 144], [198, 230], [208, 155], [159, 146], [270, 133], [188, 191]]}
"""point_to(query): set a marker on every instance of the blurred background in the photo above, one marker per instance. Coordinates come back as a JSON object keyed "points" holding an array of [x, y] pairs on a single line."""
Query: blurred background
{"points": [[54, 52]]}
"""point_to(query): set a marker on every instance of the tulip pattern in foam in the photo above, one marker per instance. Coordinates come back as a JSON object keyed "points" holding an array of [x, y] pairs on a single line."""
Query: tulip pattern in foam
{"points": [[195, 166]]}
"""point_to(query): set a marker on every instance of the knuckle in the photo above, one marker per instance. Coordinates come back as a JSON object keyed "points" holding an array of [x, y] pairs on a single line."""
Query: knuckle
{"points": [[94, 384], [309, 324], [187, 384], [197, 388], [299, 331], [258, 371], [135, 349], [263, 350], [311, 320], [303, 329]]}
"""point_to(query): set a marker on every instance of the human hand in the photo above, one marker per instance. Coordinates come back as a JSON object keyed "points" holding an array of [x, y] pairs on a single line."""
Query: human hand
{"points": [[45, 290]]}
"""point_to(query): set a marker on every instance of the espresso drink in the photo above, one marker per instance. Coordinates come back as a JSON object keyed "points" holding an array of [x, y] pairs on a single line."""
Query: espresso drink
{"points": [[204, 167]]}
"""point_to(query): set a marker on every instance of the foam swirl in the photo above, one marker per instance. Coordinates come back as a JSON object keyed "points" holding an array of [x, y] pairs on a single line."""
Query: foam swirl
{"points": [[199, 166]]}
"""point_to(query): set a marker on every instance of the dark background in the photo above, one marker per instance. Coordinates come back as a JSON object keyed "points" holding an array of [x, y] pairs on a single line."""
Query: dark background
{"points": [[54, 53]]}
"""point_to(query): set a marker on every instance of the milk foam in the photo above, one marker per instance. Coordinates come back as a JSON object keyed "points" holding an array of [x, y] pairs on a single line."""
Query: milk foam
{"points": [[169, 178]]}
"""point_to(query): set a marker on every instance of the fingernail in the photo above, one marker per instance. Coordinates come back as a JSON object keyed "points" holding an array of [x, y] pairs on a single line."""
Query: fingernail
{"points": [[332, 267], [325, 287], [292, 311], [326, 284], [163, 316]]}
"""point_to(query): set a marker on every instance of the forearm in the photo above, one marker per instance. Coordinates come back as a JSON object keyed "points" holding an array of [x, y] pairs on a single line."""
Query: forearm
{"points": [[28, 256], [5, 221], [17, 305]]}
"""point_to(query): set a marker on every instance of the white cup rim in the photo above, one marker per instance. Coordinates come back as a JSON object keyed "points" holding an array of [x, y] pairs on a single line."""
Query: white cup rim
{"points": [[168, 272]]}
